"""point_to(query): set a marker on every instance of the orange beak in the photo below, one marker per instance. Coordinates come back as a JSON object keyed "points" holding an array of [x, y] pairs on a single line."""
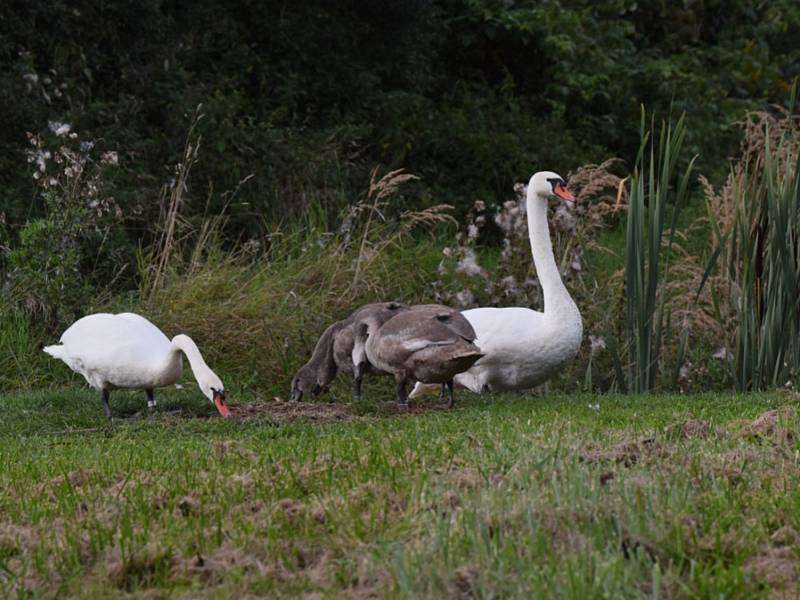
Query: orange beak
{"points": [[219, 402], [562, 192]]}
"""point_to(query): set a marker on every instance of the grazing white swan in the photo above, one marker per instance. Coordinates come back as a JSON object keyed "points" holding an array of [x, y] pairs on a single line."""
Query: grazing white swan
{"points": [[128, 351], [523, 347]]}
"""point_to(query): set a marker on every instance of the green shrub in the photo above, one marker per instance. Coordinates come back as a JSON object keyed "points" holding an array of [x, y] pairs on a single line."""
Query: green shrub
{"points": [[65, 261]]}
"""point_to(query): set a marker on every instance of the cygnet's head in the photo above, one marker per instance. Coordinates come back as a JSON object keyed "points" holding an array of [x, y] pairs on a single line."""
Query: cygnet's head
{"points": [[304, 382]]}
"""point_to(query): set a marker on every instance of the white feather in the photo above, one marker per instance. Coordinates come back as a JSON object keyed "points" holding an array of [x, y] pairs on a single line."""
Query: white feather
{"points": [[523, 347]]}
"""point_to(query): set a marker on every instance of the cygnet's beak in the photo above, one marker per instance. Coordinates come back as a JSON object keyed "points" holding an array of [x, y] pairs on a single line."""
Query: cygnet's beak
{"points": [[297, 394], [561, 191], [219, 402], [359, 370]]}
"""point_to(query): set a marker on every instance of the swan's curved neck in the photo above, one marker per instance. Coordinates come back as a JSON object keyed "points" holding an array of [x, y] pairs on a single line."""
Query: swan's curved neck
{"points": [[556, 296], [183, 343], [322, 359]]}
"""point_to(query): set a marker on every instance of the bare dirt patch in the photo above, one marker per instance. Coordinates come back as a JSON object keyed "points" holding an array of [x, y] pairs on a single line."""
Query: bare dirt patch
{"points": [[466, 477], [417, 407], [785, 536], [291, 508], [624, 453], [376, 502], [16, 539], [446, 502], [188, 505], [370, 586], [282, 412], [244, 480], [469, 476], [126, 571], [233, 448], [371, 493], [698, 428], [75, 479], [214, 566], [777, 567], [776, 423], [463, 585]]}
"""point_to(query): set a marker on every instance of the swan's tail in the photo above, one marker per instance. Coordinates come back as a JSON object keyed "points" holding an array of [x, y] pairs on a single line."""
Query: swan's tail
{"points": [[464, 359], [57, 351]]}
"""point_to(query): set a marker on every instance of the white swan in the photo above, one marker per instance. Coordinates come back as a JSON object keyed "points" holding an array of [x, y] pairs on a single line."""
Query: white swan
{"points": [[128, 351], [524, 347]]}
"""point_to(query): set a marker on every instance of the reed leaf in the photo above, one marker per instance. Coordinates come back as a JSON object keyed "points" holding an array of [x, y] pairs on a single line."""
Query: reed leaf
{"points": [[649, 242], [760, 278]]}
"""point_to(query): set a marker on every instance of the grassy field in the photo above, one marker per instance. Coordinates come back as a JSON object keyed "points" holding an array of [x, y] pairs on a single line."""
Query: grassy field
{"points": [[506, 496]]}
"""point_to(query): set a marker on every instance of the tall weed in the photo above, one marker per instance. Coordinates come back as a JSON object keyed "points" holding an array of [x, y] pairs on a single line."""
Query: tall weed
{"points": [[70, 258], [754, 271], [655, 185]]}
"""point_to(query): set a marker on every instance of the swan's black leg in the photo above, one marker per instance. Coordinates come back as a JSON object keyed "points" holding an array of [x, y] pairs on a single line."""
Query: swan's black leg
{"points": [[450, 385], [151, 402], [104, 395], [441, 394], [359, 384], [402, 397]]}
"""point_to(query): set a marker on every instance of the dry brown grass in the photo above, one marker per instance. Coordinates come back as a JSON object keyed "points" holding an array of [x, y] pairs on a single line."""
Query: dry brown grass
{"points": [[380, 193], [173, 228], [737, 211], [256, 315]]}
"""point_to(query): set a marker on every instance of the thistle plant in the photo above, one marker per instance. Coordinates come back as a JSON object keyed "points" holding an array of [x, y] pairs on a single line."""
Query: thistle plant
{"points": [[55, 267]]}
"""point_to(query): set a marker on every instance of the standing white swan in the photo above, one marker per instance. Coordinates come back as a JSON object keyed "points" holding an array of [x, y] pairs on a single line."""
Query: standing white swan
{"points": [[523, 347], [128, 351]]}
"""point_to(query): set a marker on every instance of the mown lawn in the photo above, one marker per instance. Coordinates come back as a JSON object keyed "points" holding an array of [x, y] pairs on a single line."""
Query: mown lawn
{"points": [[506, 496]]}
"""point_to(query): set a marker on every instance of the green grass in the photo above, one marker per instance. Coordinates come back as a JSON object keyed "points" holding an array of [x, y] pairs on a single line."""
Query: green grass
{"points": [[506, 496]]}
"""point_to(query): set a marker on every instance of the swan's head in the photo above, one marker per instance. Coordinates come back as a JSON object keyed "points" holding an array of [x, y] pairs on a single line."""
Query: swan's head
{"points": [[305, 382], [546, 183], [212, 387], [209, 383]]}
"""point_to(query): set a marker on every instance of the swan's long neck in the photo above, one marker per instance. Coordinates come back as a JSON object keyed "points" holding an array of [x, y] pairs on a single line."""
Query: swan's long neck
{"points": [[322, 359], [556, 296], [183, 343]]}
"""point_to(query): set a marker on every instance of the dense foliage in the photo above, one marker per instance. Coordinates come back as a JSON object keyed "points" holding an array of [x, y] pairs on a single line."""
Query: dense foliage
{"points": [[308, 96], [128, 127]]}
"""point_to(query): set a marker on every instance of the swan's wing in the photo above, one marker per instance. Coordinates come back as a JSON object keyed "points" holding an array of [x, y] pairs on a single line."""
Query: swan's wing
{"points": [[104, 340], [419, 344], [343, 346], [459, 325], [143, 326], [500, 330]]}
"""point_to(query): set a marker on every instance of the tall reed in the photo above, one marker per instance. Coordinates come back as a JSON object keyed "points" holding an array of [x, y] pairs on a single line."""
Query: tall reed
{"points": [[654, 186], [758, 288]]}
